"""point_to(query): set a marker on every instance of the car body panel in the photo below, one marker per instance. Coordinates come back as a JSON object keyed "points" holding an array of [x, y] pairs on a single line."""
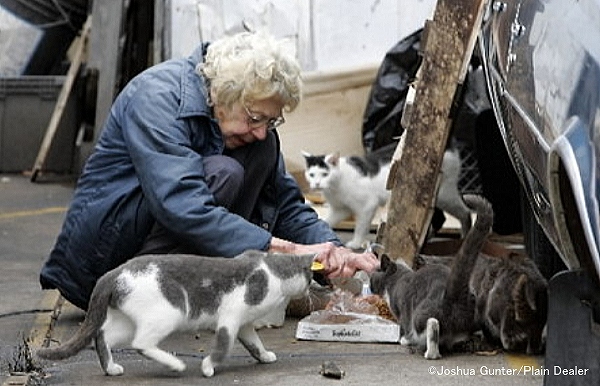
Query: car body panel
{"points": [[542, 65]]}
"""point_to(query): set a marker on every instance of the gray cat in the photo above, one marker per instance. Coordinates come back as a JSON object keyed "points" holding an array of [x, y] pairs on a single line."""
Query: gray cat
{"points": [[433, 304], [144, 300], [511, 297]]}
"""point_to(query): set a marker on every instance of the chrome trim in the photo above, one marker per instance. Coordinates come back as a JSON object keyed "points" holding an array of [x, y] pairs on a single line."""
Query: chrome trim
{"points": [[563, 151]]}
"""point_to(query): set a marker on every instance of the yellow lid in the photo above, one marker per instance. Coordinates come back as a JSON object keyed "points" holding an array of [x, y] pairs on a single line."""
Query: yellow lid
{"points": [[317, 266]]}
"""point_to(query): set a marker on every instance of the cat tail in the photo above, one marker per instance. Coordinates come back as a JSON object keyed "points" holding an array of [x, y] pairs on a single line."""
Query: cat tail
{"points": [[94, 319], [457, 289]]}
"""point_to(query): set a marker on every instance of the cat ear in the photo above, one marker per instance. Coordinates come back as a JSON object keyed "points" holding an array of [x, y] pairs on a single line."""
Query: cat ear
{"points": [[419, 262], [305, 154], [387, 265], [523, 298], [333, 159]]}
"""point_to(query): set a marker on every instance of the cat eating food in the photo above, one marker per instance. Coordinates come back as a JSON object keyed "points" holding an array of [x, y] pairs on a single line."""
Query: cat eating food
{"points": [[144, 300], [511, 297], [356, 185], [433, 304]]}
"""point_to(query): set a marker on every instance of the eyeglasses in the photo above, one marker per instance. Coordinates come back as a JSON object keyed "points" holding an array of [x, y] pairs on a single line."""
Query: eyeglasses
{"points": [[255, 121]]}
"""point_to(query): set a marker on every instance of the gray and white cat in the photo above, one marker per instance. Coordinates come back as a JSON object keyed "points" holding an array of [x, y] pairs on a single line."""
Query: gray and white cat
{"points": [[144, 300], [356, 185], [433, 305]]}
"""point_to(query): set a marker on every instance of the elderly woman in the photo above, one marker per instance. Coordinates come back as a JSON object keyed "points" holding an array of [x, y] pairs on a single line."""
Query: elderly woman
{"points": [[189, 162]]}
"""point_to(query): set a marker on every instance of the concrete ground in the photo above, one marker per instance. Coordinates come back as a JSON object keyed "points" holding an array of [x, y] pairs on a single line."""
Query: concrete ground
{"points": [[30, 218]]}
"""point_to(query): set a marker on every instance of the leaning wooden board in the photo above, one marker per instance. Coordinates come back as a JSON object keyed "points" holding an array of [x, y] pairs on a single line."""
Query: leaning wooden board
{"points": [[448, 42]]}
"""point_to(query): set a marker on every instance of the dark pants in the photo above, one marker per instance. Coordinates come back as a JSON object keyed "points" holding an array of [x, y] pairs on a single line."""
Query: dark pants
{"points": [[235, 178]]}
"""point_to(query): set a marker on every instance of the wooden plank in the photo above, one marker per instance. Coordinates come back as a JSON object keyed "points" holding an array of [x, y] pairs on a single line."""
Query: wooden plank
{"points": [[105, 58], [62, 99], [448, 43]]}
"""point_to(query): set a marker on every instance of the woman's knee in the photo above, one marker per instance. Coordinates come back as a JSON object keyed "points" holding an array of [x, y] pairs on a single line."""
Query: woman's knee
{"points": [[224, 177]]}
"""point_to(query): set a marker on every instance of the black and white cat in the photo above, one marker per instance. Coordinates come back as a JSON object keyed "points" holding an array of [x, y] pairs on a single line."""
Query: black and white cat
{"points": [[144, 300], [433, 305], [356, 185]]}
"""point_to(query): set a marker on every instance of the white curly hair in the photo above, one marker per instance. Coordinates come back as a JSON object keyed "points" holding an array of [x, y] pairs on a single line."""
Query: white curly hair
{"points": [[251, 66]]}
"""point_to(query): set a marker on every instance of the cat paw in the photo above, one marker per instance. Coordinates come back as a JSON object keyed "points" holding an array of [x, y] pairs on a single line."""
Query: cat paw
{"points": [[268, 357], [114, 369], [354, 244], [405, 341], [432, 354], [433, 339], [177, 366], [208, 370]]}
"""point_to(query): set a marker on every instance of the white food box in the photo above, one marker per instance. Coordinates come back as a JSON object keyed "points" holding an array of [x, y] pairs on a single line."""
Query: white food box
{"points": [[364, 328]]}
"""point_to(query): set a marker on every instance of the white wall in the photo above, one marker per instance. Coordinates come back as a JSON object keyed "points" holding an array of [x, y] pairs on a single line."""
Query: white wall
{"points": [[327, 34]]}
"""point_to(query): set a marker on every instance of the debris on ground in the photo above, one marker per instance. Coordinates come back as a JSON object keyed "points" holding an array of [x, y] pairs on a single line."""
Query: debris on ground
{"points": [[330, 370]]}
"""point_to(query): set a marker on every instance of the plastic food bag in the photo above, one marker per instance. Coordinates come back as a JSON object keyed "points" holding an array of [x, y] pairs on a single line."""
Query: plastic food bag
{"points": [[346, 302], [345, 307], [351, 318]]}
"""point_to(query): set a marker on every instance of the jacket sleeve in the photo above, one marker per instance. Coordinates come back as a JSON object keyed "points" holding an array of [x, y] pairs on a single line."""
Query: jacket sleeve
{"points": [[171, 174]]}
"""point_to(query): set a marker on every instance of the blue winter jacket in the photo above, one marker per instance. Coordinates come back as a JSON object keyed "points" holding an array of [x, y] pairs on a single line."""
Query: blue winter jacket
{"points": [[148, 165]]}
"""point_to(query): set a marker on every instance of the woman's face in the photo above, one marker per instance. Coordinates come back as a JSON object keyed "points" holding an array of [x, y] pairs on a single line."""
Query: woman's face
{"points": [[243, 125]]}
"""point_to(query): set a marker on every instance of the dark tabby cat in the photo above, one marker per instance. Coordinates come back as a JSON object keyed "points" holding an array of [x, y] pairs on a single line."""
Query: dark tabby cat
{"points": [[146, 299], [511, 298], [433, 304]]}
